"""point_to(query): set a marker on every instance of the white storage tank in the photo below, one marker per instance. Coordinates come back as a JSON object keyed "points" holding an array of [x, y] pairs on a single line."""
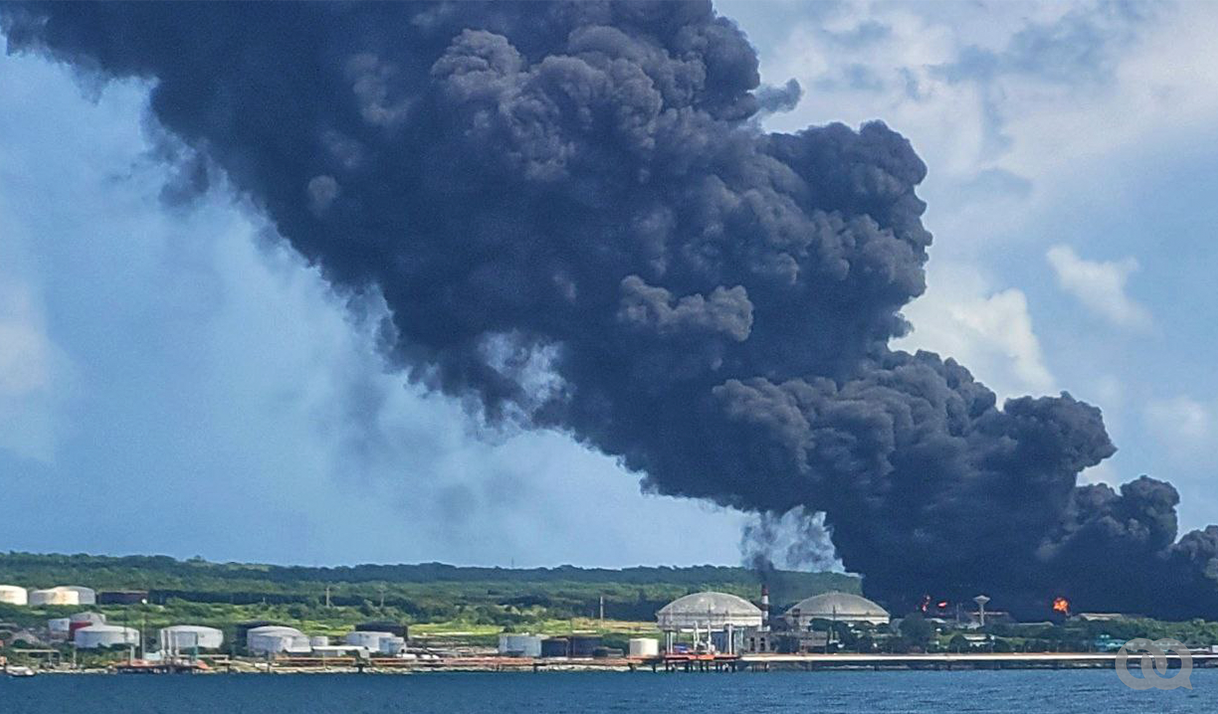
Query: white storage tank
{"points": [[392, 645], [93, 618], [54, 596], [98, 636], [275, 639], [520, 645], [59, 627], [319, 641], [367, 640], [644, 647], [84, 596], [13, 595], [185, 638]]}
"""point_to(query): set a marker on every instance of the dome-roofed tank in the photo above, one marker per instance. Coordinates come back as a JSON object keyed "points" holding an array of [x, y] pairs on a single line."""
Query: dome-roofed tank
{"points": [[838, 606], [98, 636], [184, 638], [708, 610]]}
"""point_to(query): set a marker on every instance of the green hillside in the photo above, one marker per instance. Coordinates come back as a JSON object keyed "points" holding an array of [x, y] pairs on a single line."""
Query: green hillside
{"points": [[435, 596]]}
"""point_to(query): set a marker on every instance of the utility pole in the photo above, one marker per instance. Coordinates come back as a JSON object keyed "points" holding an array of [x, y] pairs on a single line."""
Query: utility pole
{"points": [[602, 610], [327, 597]]}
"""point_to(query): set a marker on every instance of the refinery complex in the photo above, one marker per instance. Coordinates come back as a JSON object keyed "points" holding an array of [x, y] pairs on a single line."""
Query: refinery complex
{"points": [[701, 630]]}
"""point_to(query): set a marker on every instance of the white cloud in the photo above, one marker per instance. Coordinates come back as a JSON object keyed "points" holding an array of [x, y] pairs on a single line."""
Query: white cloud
{"points": [[1100, 286], [988, 331], [1181, 422], [29, 366], [24, 348]]}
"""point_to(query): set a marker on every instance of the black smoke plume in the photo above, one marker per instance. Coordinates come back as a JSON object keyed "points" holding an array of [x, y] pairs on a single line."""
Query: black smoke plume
{"points": [[576, 222]]}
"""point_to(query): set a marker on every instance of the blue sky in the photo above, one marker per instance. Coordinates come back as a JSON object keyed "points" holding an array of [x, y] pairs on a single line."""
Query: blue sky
{"points": [[173, 380]]}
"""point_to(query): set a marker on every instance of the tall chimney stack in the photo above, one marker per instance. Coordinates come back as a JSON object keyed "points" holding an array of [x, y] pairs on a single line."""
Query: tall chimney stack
{"points": [[765, 607]]}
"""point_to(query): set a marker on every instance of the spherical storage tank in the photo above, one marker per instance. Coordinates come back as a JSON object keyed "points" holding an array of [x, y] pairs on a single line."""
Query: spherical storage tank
{"points": [[274, 639], [54, 596], [708, 611], [511, 645], [184, 638], [13, 595], [97, 636], [644, 647]]}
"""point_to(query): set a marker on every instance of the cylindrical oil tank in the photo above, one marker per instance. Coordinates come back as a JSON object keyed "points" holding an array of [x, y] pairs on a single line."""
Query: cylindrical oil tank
{"points": [[13, 595], [369, 640], [97, 636], [512, 645], [243, 628], [54, 596], [392, 645], [273, 639], [584, 645], [555, 647], [84, 596], [59, 628], [394, 628], [319, 641], [644, 647], [81, 620], [185, 638]]}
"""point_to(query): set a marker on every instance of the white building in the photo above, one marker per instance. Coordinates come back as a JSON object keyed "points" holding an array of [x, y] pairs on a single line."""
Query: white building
{"points": [[98, 636], [186, 638], [13, 595], [275, 639]]}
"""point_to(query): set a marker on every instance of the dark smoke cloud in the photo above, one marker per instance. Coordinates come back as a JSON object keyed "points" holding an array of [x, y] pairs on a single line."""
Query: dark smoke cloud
{"points": [[773, 99], [576, 222]]}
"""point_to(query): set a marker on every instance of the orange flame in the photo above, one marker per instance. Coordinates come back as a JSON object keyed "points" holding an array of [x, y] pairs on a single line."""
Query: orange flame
{"points": [[942, 604], [1062, 605]]}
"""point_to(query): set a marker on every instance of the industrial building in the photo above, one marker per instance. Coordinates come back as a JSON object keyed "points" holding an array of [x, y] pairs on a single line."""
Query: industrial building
{"points": [[99, 636], [186, 638], [835, 607], [276, 639], [13, 595]]}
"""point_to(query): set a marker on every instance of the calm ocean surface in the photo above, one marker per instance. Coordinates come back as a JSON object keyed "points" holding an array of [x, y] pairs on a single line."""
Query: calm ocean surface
{"points": [[1026, 692]]}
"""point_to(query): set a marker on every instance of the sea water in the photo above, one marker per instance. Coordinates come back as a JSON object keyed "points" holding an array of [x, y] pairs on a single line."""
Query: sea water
{"points": [[925, 692]]}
